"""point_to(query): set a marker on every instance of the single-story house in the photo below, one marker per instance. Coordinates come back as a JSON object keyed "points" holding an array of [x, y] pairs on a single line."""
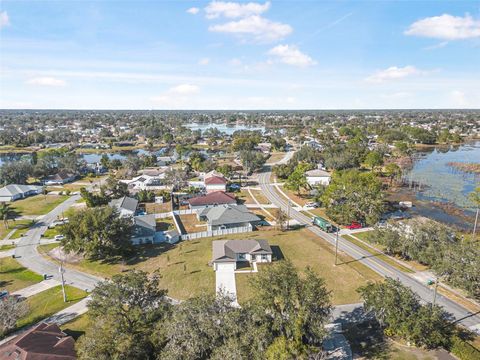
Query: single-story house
{"points": [[60, 178], [212, 199], [228, 216], [226, 253], [144, 229], [127, 206], [215, 183], [14, 192], [43, 341], [318, 177], [146, 182]]}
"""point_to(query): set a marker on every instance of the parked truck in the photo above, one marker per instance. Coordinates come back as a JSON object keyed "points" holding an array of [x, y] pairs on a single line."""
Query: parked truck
{"points": [[323, 224]]}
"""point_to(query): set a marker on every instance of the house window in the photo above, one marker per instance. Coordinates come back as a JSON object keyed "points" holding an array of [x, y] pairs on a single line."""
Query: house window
{"points": [[264, 257], [242, 256]]}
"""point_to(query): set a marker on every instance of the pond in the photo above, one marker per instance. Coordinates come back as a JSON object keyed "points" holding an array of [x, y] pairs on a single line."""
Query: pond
{"points": [[439, 181], [225, 128]]}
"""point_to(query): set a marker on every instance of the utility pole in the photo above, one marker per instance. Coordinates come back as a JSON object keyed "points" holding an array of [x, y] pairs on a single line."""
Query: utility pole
{"points": [[62, 270], [435, 292], [475, 225], [288, 214], [336, 247]]}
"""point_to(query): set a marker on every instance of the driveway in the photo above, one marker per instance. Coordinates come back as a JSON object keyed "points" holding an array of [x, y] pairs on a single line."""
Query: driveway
{"points": [[225, 282]]}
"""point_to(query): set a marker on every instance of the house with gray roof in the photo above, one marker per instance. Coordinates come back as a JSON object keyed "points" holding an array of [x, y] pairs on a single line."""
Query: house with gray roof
{"points": [[226, 253], [127, 206], [228, 216], [144, 228], [14, 192]]}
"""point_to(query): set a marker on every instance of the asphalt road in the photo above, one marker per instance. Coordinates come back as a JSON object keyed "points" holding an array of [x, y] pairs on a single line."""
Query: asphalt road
{"points": [[26, 252], [468, 319]]}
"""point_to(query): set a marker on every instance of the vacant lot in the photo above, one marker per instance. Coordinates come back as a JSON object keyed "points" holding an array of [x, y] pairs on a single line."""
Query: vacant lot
{"points": [[262, 199], [301, 199], [38, 204], [153, 208], [13, 224], [276, 156], [49, 302], [14, 276], [244, 197]]}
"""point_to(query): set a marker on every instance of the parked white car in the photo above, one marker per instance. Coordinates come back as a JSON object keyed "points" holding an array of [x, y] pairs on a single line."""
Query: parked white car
{"points": [[59, 237]]}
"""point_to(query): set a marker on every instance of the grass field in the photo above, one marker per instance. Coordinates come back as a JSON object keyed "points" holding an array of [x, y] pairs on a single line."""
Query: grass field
{"points": [[301, 199], [276, 156], [22, 226], [244, 197], [49, 302], [6, 247], [50, 233], [12, 226], [185, 271], [38, 204], [45, 248], [262, 199], [14, 276]]}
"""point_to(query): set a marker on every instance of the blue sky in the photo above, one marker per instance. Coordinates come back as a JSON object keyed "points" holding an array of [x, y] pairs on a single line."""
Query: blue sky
{"points": [[239, 55]]}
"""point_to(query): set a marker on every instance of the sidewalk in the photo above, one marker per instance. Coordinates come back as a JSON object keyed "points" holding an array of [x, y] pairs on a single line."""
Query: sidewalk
{"points": [[36, 288]]}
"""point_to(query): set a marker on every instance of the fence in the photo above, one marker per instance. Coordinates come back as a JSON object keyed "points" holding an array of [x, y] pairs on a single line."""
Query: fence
{"points": [[230, 231], [163, 215]]}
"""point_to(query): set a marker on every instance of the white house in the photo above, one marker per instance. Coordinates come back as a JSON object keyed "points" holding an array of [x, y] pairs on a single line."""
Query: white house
{"points": [[226, 253], [318, 177], [146, 182], [215, 183], [14, 192]]}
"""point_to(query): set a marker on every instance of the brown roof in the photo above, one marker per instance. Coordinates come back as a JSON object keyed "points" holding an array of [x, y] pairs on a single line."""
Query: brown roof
{"points": [[42, 342], [215, 180], [214, 198]]}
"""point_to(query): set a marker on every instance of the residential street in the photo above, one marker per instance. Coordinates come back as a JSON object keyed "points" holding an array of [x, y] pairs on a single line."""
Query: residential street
{"points": [[469, 320], [26, 252]]}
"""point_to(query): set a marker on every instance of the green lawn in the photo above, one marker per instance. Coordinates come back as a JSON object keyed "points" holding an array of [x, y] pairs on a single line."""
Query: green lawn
{"points": [[14, 276], [6, 247], [185, 271], [12, 225], [38, 204], [77, 326], [50, 233], [22, 226], [45, 248], [49, 302]]}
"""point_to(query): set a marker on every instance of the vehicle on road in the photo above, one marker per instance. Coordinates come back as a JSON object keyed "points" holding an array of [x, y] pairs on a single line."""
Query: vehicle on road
{"points": [[354, 225], [323, 224], [59, 237], [311, 205]]}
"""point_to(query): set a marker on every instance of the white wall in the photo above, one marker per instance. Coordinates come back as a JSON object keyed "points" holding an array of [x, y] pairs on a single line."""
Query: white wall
{"points": [[315, 180]]}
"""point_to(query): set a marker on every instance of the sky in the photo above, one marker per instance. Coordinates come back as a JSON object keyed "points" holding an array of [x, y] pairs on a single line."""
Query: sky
{"points": [[239, 55]]}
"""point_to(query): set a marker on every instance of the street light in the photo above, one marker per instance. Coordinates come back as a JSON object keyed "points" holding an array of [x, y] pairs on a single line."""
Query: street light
{"points": [[61, 270], [336, 246]]}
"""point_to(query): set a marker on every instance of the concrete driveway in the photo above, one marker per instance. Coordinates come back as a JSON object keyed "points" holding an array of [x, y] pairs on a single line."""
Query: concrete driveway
{"points": [[225, 282]]}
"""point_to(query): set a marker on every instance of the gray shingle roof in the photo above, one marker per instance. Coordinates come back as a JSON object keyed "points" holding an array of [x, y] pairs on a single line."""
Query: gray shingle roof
{"points": [[15, 189], [125, 202], [228, 214], [226, 250], [317, 173], [144, 225]]}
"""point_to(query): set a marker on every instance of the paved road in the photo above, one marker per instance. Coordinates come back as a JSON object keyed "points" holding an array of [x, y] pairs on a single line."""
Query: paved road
{"points": [[27, 254], [469, 319]]}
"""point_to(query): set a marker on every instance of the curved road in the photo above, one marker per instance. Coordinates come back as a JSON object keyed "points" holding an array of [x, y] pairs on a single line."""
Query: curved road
{"points": [[26, 251], [465, 317]]}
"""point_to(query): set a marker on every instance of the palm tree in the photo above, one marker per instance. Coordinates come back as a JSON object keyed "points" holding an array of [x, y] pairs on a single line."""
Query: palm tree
{"points": [[5, 212]]}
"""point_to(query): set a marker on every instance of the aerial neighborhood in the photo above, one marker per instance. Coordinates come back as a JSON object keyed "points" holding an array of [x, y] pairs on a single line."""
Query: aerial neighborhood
{"points": [[239, 180]]}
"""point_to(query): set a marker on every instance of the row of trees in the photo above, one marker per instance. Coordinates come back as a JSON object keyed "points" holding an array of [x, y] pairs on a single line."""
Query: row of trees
{"points": [[433, 244], [131, 318]]}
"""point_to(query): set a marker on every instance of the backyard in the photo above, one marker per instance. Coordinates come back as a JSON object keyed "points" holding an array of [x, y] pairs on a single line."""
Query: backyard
{"points": [[38, 204], [191, 223], [14, 276]]}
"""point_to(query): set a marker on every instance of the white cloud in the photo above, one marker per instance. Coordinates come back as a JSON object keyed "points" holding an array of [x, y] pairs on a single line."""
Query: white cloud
{"points": [[259, 28], [459, 99], [217, 9], [393, 73], [446, 27], [204, 61], [47, 81], [289, 54], [193, 10], [184, 89], [4, 19]]}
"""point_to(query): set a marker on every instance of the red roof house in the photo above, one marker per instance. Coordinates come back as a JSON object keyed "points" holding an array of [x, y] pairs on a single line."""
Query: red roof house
{"points": [[212, 199]]}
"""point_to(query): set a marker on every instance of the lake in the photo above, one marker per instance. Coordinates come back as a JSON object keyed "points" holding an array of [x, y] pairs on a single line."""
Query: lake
{"points": [[442, 182], [225, 128]]}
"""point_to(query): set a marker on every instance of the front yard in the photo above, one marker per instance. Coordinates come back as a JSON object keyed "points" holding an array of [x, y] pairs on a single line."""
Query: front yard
{"points": [[38, 204], [185, 271], [14, 276], [49, 302]]}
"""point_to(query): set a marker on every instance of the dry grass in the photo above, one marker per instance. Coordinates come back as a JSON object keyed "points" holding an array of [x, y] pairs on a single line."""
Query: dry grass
{"points": [[153, 208], [191, 223], [276, 156], [262, 199], [38, 204]]}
